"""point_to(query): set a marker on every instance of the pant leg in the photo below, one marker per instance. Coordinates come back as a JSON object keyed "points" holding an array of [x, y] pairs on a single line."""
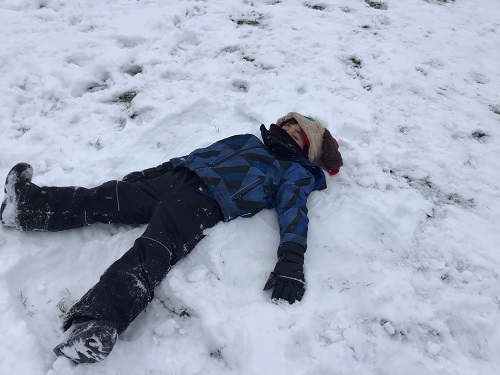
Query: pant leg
{"points": [[60, 208], [127, 286], [50, 208]]}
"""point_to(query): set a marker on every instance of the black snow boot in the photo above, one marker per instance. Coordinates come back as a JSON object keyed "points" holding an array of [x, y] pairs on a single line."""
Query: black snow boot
{"points": [[88, 342], [18, 177]]}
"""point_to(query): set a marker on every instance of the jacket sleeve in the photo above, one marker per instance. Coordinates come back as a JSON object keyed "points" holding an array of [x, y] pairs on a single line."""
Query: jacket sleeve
{"points": [[291, 205]]}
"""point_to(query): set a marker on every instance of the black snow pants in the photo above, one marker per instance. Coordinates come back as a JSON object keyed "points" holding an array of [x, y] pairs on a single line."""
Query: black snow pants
{"points": [[174, 209]]}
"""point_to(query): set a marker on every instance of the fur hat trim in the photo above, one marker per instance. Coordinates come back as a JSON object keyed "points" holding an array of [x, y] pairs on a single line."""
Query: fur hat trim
{"points": [[323, 148]]}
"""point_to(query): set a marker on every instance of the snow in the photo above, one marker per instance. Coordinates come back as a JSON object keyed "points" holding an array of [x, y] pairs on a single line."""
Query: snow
{"points": [[402, 267]]}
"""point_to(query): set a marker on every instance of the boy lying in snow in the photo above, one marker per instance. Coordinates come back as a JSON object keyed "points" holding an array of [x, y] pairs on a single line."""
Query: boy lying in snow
{"points": [[237, 176]]}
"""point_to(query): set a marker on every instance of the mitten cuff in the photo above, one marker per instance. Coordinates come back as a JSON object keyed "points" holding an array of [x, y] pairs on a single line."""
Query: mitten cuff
{"points": [[291, 252]]}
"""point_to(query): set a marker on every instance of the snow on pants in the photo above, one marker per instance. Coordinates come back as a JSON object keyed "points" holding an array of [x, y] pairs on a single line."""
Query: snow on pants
{"points": [[172, 206]]}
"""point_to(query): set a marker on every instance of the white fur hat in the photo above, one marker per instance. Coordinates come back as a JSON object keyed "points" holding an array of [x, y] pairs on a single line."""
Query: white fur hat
{"points": [[322, 147]]}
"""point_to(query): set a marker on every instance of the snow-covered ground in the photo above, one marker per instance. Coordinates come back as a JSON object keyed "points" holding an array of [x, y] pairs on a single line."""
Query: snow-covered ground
{"points": [[403, 264]]}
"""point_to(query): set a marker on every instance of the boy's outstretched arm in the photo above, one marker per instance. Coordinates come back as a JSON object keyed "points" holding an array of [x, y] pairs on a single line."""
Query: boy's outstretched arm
{"points": [[287, 279]]}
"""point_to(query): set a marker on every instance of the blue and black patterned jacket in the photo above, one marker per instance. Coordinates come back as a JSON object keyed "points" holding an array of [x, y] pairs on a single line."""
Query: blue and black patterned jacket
{"points": [[244, 178]]}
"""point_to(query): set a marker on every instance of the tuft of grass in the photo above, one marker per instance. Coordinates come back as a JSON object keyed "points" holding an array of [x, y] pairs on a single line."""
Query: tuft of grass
{"points": [[252, 19], [248, 22], [440, 2], [376, 4], [216, 354], [421, 71], [29, 308], [63, 307], [97, 144], [422, 181], [64, 304], [355, 62], [230, 49], [182, 313], [23, 129], [404, 130], [134, 70], [240, 86], [478, 134], [458, 200], [247, 58], [315, 6], [126, 97], [96, 87]]}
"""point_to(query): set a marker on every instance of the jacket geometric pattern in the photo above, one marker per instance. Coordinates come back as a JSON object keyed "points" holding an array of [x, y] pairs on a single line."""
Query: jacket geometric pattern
{"points": [[244, 177]]}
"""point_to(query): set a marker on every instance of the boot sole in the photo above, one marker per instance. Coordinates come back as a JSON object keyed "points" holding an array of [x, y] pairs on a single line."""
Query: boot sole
{"points": [[21, 173], [88, 347]]}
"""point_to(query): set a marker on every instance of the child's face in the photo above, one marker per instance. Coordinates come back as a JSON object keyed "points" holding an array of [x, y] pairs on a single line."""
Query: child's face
{"points": [[295, 132]]}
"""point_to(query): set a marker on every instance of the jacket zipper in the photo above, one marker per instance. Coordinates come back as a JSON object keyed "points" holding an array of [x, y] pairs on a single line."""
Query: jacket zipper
{"points": [[244, 190]]}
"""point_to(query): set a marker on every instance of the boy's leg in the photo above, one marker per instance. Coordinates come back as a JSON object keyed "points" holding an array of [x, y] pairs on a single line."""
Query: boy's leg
{"points": [[51, 208], [127, 286], [31, 207]]}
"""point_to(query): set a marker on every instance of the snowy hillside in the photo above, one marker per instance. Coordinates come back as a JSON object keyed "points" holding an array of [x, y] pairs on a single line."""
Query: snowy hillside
{"points": [[403, 263]]}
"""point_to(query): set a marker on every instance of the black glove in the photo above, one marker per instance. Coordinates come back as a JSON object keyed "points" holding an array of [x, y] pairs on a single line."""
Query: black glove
{"points": [[149, 173], [287, 279]]}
